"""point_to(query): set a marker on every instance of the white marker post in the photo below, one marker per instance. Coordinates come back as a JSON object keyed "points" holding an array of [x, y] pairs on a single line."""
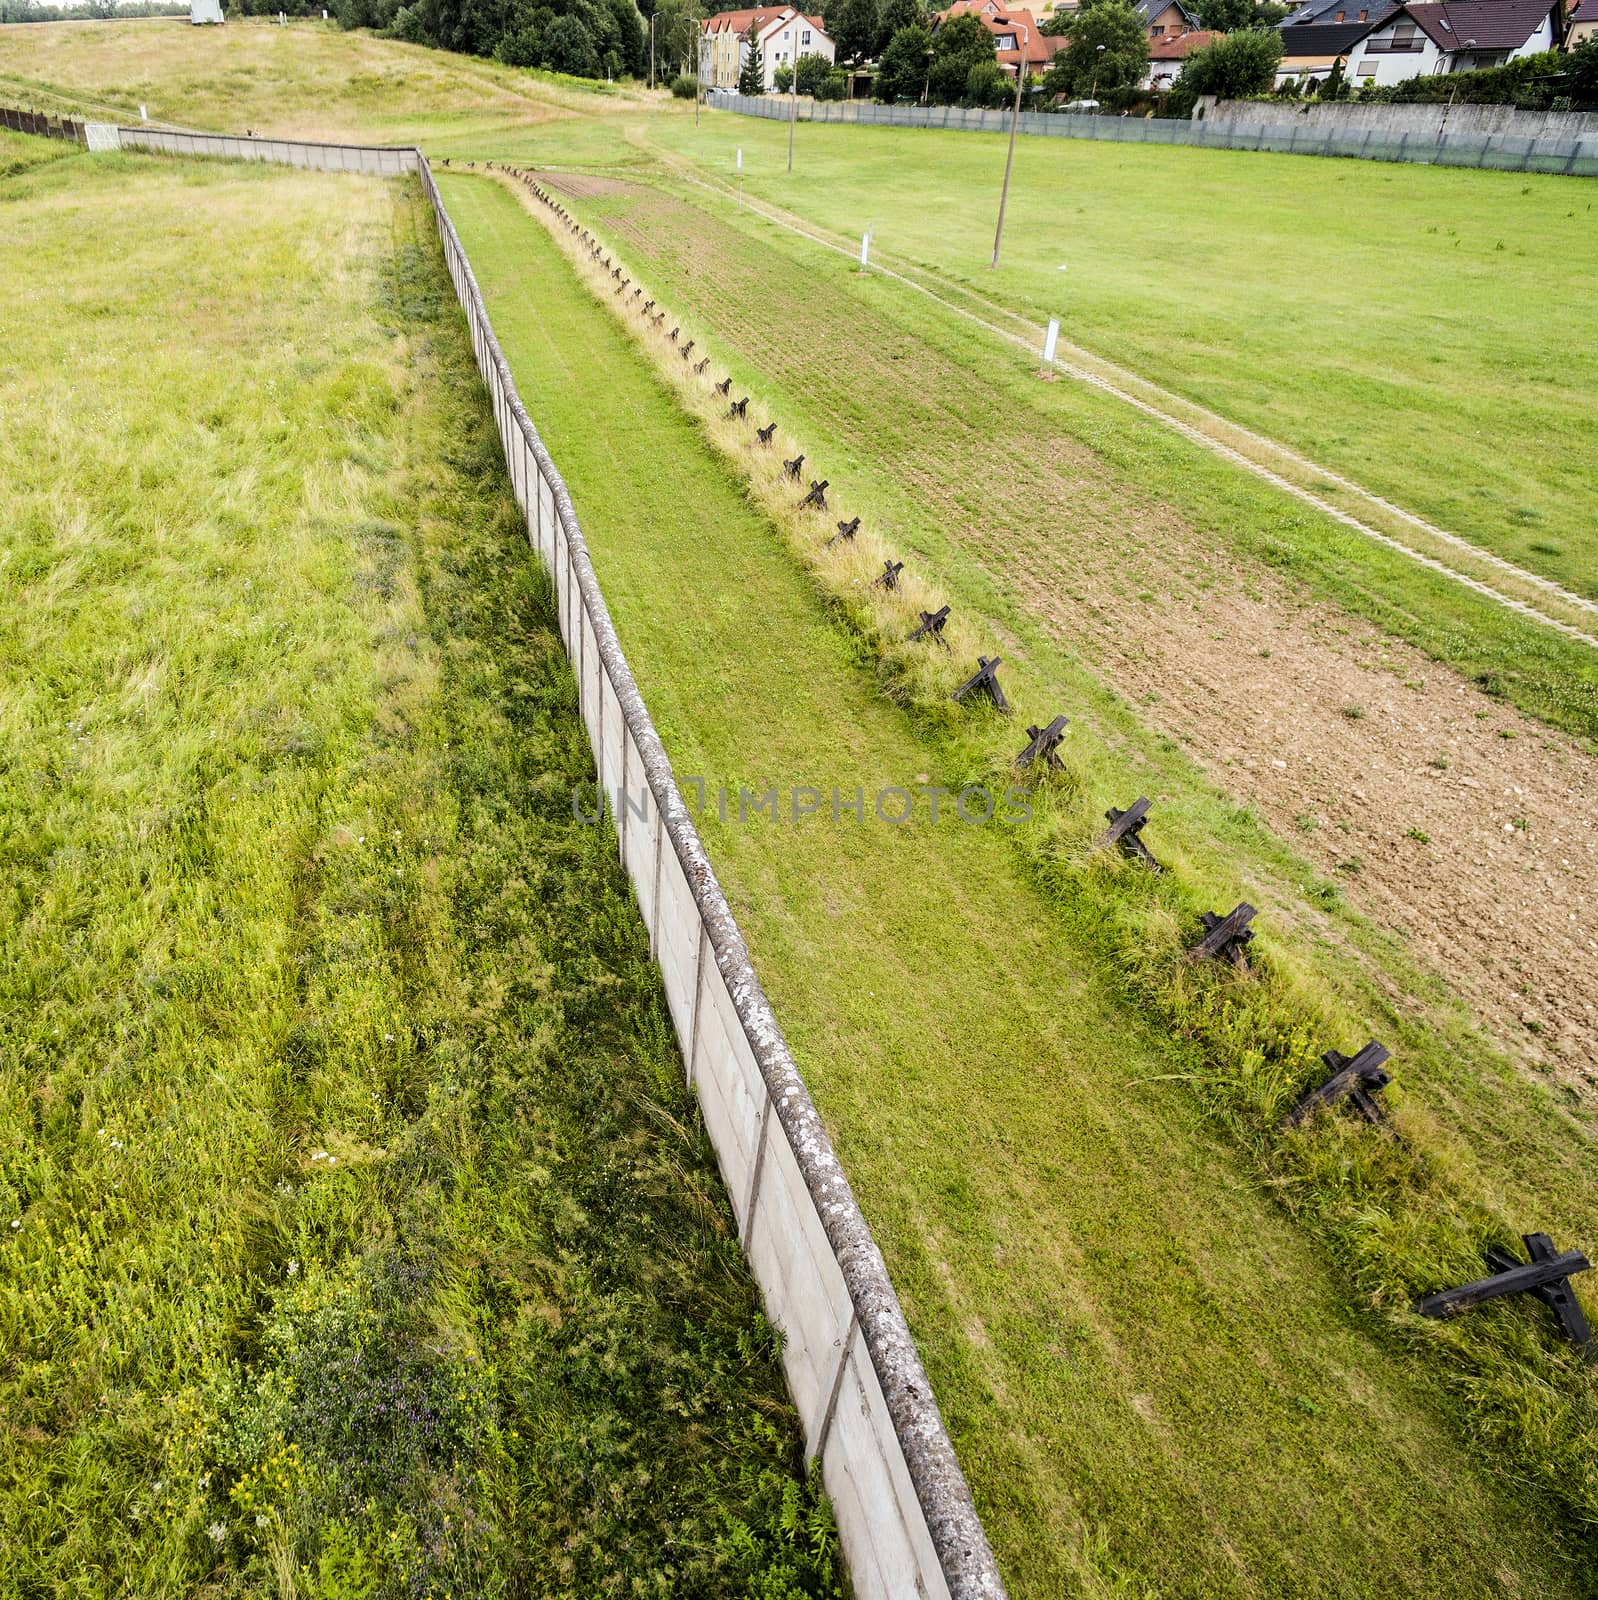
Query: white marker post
{"points": [[865, 249], [1050, 339], [740, 162], [144, 116]]}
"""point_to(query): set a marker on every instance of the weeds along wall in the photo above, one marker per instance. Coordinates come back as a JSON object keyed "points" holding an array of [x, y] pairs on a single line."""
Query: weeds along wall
{"points": [[905, 1516], [1571, 155]]}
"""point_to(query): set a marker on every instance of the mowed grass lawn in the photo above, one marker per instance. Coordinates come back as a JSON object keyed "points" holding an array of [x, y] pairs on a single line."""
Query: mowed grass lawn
{"points": [[356, 1233], [1415, 328], [1154, 1382]]}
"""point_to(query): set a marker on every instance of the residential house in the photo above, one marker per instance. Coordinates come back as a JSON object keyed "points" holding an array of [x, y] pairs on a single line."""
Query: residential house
{"points": [[1310, 49], [1017, 35], [1583, 24], [784, 35], [1166, 19], [1441, 36], [1167, 55]]}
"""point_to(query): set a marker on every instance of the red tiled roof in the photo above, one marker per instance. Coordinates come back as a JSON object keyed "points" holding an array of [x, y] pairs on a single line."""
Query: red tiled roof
{"points": [[1037, 47], [761, 17], [1177, 46]]}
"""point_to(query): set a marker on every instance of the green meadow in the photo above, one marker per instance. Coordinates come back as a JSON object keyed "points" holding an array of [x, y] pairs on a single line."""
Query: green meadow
{"points": [[357, 1233]]}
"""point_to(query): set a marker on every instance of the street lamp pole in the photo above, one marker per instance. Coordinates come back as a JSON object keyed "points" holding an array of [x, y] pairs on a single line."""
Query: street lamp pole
{"points": [[1015, 122], [1096, 62]]}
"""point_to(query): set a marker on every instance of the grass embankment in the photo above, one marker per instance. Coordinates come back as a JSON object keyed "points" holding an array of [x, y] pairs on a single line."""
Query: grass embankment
{"points": [[1389, 320], [356, 1236], [1152, 1377], [308, 80]]}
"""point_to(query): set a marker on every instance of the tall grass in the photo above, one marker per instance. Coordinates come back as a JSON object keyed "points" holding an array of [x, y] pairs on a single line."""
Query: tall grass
{"points": [[357, 1234]]}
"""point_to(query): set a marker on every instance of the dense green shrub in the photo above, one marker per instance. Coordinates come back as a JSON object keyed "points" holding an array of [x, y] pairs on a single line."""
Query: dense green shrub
{"points": [[902, 71], [833, 87], [988, 85], [960, 44], [813, 73], [684, 87], [1533, 83]]}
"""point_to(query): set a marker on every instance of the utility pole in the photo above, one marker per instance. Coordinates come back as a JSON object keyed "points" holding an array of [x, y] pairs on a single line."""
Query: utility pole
{"points": [[652, 20], [1015, 122]]}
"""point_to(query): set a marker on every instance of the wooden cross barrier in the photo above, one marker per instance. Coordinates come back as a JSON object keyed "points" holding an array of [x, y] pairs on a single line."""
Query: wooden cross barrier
{"points": [[816, 500], [724, 388], [1044, 745], [1225, 937], [1547, 1275], [688, 350], [739, 409], [1354, 1078], [889, 578], [673, 334], [932, 626], [658, 318], [766, 434], [791, 469], [1126, 831], [985, 680], [699, 367], [846, 531]]}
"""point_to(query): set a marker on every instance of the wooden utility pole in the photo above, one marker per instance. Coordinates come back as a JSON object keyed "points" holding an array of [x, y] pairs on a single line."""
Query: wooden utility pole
{"points": [[1015, 122]]}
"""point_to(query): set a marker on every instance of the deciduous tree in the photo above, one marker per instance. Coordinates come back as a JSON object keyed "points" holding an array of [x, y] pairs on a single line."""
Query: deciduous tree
{"points": [[1108, 50], [960, 44], [902, 71]]}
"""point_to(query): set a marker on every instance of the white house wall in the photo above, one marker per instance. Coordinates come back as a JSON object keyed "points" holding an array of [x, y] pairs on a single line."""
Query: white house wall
{"points": [[784, 42]]}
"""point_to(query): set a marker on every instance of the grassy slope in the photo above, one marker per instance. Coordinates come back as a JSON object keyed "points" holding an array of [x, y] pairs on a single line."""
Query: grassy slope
{"points": [[1401, 324], [309, 79], [354, 1227], [1101, 1295]]}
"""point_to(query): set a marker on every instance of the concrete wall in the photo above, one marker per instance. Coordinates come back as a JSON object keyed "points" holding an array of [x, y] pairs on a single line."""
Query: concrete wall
{"points": [[378, 161], [1419, 121], [905, 1517], [1231, 125], [906, 1521]]}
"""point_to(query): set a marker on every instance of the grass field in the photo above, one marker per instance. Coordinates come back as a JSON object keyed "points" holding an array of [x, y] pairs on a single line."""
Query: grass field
{"points": [[358, 1237], [1095, 1279], [1395, 322], [1138, 1303]]}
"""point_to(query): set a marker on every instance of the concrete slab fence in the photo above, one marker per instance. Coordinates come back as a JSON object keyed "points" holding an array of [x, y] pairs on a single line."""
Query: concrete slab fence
{"points": [[1238, 125], [905, 1517]]}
